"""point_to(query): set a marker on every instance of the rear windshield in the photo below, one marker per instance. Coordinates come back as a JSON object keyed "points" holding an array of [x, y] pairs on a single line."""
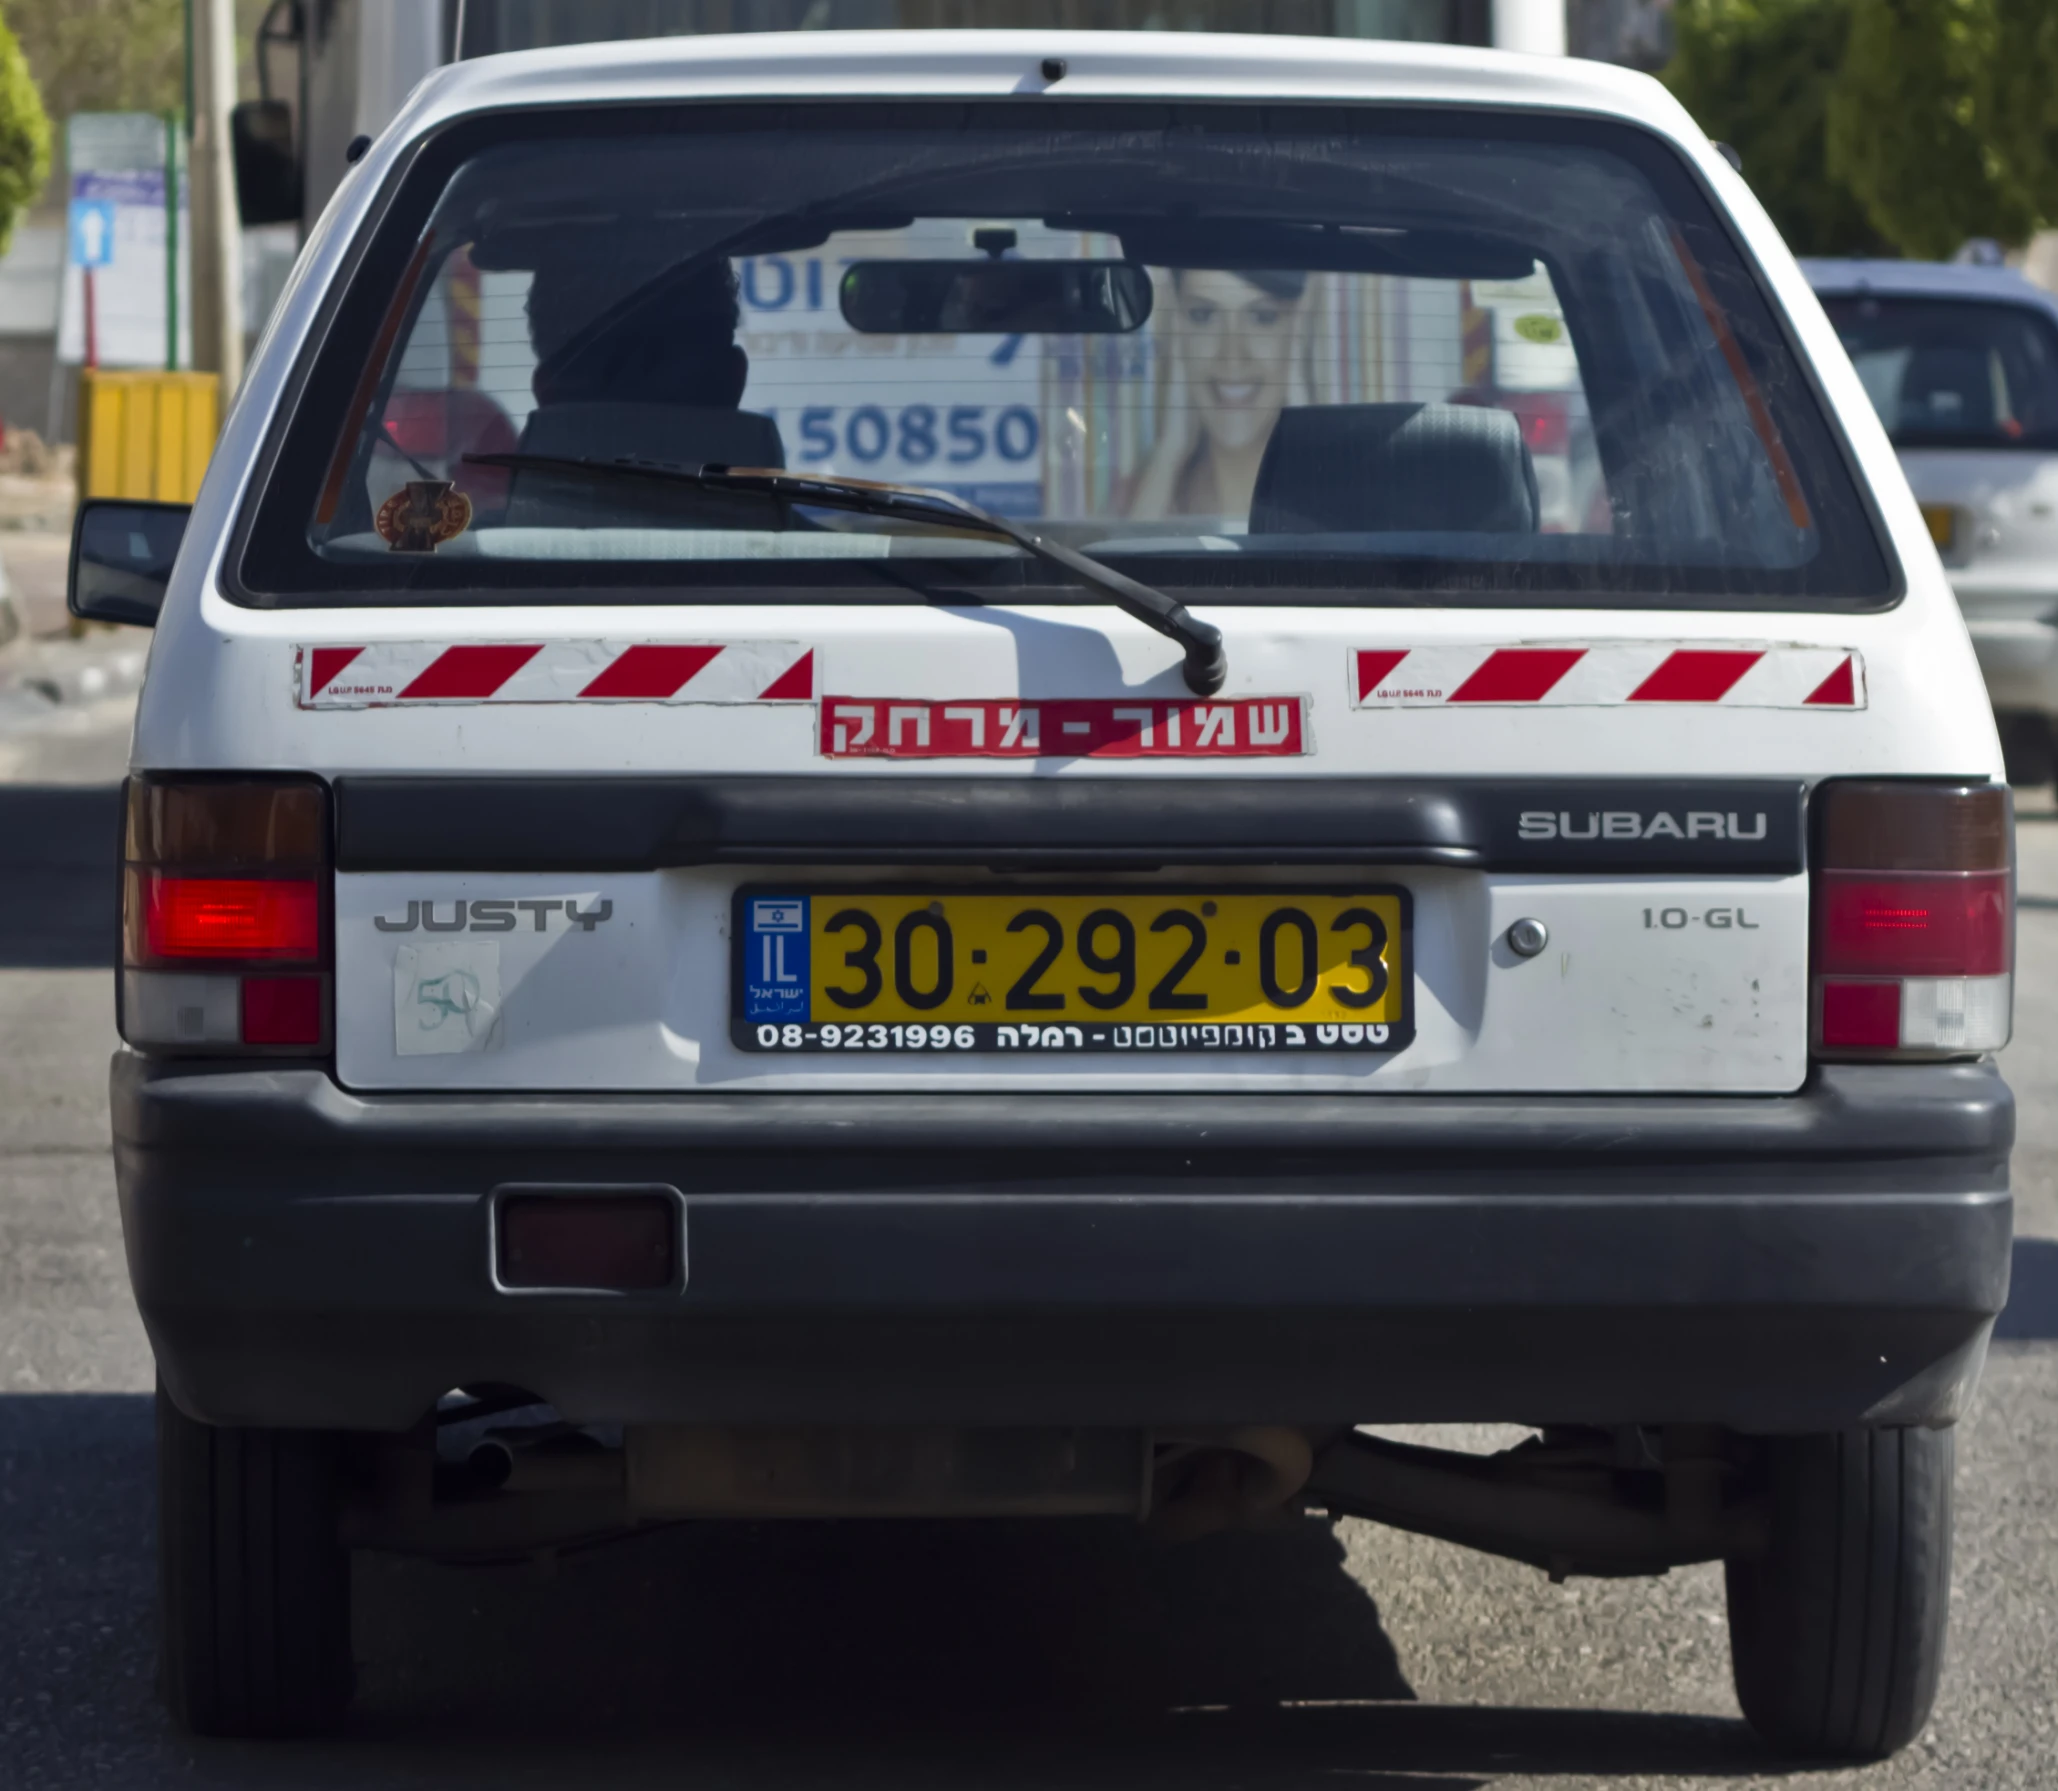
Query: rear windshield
{"points": [[1954, 373], [1256, 354]]}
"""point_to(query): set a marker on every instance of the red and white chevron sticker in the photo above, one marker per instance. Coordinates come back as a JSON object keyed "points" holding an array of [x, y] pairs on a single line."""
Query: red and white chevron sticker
{"points": [[1603, 674], [404, 674]]}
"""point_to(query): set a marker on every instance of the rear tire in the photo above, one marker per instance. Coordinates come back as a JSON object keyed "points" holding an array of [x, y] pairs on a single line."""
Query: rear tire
{"points": [[253, 1585], [1836, 1632], [2026, 749]]}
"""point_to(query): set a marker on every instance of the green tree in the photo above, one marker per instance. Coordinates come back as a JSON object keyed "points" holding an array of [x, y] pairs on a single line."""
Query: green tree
{"points": [[1757, 74], [24, 136], [104, 55], [1912, 130], [2015, 100]]}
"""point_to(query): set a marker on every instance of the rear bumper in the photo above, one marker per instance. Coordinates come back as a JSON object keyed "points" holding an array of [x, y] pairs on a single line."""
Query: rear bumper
{"points": [[303, 1255]]}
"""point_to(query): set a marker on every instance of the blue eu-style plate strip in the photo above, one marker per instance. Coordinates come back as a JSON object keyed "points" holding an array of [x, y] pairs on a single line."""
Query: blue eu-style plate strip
{"points": [[775, 958]]}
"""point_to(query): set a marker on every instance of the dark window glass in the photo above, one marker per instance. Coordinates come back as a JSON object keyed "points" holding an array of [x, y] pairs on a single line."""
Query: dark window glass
{"points": [[1468, 356], [1954, 373]]}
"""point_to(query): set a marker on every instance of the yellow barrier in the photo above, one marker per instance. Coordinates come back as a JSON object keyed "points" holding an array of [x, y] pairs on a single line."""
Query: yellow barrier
{"points": [[146, 435]]}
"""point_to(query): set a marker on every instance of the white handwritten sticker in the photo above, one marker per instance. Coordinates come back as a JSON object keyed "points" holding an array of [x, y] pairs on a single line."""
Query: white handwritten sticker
{"points": [[446, 998]]}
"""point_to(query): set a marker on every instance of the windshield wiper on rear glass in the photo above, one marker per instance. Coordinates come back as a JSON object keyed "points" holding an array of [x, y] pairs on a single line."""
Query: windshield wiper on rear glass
{"points": [[1207, 665]]}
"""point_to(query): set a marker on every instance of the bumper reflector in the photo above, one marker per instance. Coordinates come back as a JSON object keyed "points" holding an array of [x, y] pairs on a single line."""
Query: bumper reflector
{"points": [[619, 1243]]}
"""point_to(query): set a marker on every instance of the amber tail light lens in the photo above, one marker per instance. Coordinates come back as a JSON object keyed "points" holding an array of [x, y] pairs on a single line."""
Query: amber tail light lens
{"points": [[225, 915], [1914, 918]]}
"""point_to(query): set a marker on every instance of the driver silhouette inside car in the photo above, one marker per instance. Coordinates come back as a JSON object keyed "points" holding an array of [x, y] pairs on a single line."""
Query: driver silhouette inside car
{"points": [[637, 366]]}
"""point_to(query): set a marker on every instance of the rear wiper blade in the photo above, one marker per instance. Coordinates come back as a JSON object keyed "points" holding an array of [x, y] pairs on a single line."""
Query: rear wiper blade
{"points": [[1207, 664]]}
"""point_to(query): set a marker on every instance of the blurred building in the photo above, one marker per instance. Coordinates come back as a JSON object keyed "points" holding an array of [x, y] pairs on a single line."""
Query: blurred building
{"points": [[343, 68], [1637, 33]]}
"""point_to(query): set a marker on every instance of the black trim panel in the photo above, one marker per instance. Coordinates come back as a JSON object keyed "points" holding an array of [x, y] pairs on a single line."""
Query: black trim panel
{"points": [[302, 1255], [1731, 827], [1873, 1127]]}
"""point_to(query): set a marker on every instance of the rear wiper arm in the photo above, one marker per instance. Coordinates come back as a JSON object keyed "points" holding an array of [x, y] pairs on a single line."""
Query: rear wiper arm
{"points": [[1207, 665]]}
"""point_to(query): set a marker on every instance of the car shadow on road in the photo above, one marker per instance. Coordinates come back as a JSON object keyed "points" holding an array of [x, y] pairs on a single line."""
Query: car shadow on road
{"points": [[58, 900], [2032, 1312], [901, 1656]]}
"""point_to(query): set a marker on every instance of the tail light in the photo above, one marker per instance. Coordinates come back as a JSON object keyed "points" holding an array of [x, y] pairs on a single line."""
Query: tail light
{"points": [[225, 916], [1914, 914]]}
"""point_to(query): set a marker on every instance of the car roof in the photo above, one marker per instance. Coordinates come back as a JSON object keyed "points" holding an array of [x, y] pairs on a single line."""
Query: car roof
{"points": [[1927, 279], [1099, 64]]}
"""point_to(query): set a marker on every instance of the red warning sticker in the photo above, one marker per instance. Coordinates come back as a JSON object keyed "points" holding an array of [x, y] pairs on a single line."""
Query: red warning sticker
{"points": [[1084, 728]]}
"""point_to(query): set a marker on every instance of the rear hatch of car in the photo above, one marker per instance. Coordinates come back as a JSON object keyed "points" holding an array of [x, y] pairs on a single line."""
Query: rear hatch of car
{"points": [[1549, 594], [1554, 883]]}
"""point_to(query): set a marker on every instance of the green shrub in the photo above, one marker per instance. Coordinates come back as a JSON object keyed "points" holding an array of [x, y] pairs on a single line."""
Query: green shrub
{"points": [[1757, 75], [1911, 130], [24, 136]]}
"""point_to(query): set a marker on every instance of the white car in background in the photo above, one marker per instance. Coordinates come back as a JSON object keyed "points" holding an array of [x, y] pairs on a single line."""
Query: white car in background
{"points": [[1962, 365]]}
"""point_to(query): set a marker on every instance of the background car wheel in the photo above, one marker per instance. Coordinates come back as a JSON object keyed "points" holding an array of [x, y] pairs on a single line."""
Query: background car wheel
{"points": [[1836, 1632], [2026, 749], [253, 1587]]}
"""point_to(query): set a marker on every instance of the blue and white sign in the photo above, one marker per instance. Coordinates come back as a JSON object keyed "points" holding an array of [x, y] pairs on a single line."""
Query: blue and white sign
{"points": [[92, 232], [117, 235], [775, 958]]}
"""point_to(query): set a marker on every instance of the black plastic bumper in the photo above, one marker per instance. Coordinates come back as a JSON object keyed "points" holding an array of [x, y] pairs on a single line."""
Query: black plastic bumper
{"points": [[304, 1255]]}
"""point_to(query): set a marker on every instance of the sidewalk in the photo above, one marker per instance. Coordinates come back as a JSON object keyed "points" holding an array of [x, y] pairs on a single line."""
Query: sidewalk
{"points": [[66, 703]]}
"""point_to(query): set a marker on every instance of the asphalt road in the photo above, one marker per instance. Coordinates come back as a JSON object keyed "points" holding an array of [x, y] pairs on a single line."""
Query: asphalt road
{"points": [[912, 1657]]}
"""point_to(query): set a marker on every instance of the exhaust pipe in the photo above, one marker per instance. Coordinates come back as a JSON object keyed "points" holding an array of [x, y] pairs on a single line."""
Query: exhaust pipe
{"points": [[1207, 1481], [507, 1463], [1563, 1507]]}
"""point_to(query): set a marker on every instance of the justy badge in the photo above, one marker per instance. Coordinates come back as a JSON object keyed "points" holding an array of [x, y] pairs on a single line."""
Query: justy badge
{"points": [[775, 958]]}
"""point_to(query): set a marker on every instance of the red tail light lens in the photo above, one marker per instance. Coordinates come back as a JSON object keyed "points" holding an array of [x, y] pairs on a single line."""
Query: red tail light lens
{"points": [[232, 917], [1914, 910], [284, 1010], [1948, 925], [1861, 1016], [223, 877]]}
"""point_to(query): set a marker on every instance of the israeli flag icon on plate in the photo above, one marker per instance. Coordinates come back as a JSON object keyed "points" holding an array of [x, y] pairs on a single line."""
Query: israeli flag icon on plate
{"points": [[775, 958]]}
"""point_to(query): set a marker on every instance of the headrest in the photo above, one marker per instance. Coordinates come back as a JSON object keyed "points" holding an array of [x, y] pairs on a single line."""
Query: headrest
{"points": [[606, 430], [1384, 468], [1947, 388]]}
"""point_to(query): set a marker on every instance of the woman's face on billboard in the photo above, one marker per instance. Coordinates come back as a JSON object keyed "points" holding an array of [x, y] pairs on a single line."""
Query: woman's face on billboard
{"points": [[1237, 343]]}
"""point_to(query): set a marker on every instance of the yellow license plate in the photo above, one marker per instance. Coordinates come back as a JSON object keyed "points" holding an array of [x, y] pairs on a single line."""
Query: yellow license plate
{"points": [[1943, 525], [1076, 969]]}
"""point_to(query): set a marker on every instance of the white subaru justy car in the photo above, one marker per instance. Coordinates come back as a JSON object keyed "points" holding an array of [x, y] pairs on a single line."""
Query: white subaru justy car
{"points": [[1015, 773], [1962, 365]]}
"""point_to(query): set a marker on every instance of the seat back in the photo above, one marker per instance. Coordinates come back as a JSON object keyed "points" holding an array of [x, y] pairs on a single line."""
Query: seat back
{"points": [[1948, 389], [604, 430], [1388, 468], [683, 435]]}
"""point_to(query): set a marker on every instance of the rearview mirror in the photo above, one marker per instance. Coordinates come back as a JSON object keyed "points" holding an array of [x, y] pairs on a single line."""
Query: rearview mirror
{"points": [[995, 297], [121, 559], [267, 169]]}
